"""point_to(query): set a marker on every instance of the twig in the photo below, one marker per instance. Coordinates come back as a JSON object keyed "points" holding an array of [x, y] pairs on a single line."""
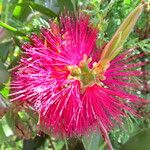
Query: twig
{"points": [[106, 137]]}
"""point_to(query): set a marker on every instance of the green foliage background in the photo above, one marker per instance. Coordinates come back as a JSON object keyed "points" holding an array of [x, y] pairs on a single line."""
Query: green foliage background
{"points": [[19, 18]]}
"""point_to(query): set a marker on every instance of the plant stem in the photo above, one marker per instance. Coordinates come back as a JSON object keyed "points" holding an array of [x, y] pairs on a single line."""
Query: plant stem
{"points": [[106, 136]]}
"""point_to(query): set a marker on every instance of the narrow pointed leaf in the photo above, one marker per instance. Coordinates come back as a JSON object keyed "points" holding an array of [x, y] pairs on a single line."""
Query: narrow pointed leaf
{"points": [[7, 128], [114, 46], [10, 28], [92, 142], [42, 9]]}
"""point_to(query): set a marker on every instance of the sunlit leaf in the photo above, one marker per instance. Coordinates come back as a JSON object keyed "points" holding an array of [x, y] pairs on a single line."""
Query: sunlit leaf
{"points": [[21, 12], [127, 1], [92, 141], [6, 26], [7, 124], [10, 28], [2, 134]]}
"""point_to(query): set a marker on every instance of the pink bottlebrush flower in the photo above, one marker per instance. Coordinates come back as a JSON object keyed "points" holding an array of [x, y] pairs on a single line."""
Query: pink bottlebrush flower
{"points": [[59, 76]]}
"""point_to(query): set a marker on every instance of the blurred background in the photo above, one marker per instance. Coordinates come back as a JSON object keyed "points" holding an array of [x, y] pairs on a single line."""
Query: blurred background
{"points": [[19, 18]]}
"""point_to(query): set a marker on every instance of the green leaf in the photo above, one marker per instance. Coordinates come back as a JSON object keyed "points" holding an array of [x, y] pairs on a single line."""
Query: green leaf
{"points": [[7, 124], [4, 75], [0, 7], [21, 12], [124, 30], [3, 106], [69, 5], [5, 90], [2, 101], [10, 28], [3, 34], [2, 133], [7, 9], [39, 8], [138, 142], [92, 141], [5, 48], [144, 45], [127, 1]]}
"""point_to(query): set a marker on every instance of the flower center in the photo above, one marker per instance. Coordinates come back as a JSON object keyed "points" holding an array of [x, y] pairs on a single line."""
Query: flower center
{"points": [[87, 76]]}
